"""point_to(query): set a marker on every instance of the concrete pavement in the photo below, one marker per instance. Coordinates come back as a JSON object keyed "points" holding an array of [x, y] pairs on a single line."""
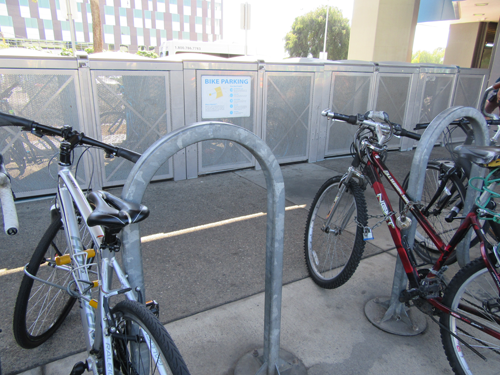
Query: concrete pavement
{"points": [[210, 283]]}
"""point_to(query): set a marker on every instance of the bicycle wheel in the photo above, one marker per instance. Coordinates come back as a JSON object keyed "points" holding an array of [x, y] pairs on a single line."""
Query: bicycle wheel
{"points": [[453, 193], [142, 345], [473, 294], [333, 253], [41, 308]]}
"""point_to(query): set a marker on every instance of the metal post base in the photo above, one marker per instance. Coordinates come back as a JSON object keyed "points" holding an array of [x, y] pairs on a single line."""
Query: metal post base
{"points": [[405, 322], [252, 363]]}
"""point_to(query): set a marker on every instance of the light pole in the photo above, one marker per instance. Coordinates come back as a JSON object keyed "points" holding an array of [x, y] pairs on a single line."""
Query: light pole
{"points": [[324, 55]]}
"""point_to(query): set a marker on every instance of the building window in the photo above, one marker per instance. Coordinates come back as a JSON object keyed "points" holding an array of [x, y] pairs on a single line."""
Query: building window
{"points": [[138, 18], [140, 36], [32, 28], [109, 15], [24, 8], [138, 4], [176, 22], [160, 20], [125, 3], [175, 35], [109, 34], [173, 6], [49, 29], [125, 34], [66, 34], [187, 23], [123, 16], [80, 36], [152, 37], [187, 7], [186, 35], [160, 6], [199, 25], [208, 26], [61, 10], [199, 8], [147, 19], [44, 10], [163, 36]]}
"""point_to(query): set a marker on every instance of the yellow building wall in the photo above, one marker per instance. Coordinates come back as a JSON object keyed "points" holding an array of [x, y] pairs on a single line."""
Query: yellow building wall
{"points": [[461, 43], [383, 30]]}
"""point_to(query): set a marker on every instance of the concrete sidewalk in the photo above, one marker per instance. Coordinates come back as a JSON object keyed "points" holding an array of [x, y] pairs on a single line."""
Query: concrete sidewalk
{"points": [[210, 284]]}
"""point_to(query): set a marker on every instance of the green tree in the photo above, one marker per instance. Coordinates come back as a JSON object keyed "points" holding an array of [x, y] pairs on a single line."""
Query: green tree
{"points": [[308, 35], [434, 57]]}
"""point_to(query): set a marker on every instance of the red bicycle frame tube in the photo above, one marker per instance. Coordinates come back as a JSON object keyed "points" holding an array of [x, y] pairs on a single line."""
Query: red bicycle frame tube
{"points": [[373, 170]]}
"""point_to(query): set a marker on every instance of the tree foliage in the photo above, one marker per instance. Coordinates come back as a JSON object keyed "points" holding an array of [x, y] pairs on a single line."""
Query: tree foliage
{"points": [[308, 35], [434, 57]]}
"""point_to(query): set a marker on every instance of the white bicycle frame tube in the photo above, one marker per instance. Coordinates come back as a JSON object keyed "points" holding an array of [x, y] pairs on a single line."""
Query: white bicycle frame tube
{"points": [[70, 194]]}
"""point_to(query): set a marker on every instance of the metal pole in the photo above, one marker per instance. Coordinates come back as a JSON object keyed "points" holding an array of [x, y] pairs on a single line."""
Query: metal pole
{"points": [[326, 29], [157, 154], [71, 27]]}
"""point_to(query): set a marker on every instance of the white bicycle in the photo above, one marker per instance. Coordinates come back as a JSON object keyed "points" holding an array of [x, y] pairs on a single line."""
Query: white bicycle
{"points": [[75, 260]]}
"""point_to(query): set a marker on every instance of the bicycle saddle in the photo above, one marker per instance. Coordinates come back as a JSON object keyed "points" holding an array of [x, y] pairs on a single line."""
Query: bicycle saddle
{"points": [[114, 213], [484, 156]]}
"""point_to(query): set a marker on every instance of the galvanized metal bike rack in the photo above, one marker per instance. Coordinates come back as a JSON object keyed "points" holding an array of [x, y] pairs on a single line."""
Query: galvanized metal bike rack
{"points": [[159, 153], [390, 315]]}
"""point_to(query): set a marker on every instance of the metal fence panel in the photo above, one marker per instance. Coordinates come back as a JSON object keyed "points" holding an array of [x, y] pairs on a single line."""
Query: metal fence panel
{"points": [[132, 113], [286, 124], [392, 97], [438, 89], [351, 94], [469, 90], [48, 97]]}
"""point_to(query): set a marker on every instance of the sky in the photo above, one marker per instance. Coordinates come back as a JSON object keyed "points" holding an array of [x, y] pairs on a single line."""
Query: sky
{"points": [[271, 20]]}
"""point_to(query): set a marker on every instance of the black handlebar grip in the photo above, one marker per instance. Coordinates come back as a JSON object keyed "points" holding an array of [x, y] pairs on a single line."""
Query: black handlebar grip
{"points": [[406, 133], [11, 120], [127, 154]]}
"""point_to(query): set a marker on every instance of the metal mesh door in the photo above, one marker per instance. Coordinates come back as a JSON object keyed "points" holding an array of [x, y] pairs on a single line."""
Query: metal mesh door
{"points": [[46, 97], [288, 106], [132, 113], [350, 96], [468, 92], [392, 98], [437, 93]]}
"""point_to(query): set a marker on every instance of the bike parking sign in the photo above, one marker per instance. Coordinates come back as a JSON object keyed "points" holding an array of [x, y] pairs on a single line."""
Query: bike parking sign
{"points": [[225, 96]]}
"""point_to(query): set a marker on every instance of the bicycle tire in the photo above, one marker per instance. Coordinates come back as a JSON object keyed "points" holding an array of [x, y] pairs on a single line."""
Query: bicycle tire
{"points": [[454, 191], [40, 308], [135, 320], [471, 287], [332, 257]]}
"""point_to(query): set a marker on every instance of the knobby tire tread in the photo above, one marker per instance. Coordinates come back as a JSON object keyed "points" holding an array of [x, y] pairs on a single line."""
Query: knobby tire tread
{"points": [[359, 243]]}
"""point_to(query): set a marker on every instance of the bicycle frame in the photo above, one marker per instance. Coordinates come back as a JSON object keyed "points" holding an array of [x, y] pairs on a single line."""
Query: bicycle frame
{"points": [[373, 169], [94, 320]]}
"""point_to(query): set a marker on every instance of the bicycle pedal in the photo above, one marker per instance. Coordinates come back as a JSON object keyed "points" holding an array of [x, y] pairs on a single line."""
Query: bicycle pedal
{"points": [[79, 368], [154, 307]]}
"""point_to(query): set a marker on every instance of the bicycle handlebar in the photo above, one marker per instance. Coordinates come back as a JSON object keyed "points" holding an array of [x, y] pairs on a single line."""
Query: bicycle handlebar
{"points": [[371, 115], [67, 133], [11, 223]]}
